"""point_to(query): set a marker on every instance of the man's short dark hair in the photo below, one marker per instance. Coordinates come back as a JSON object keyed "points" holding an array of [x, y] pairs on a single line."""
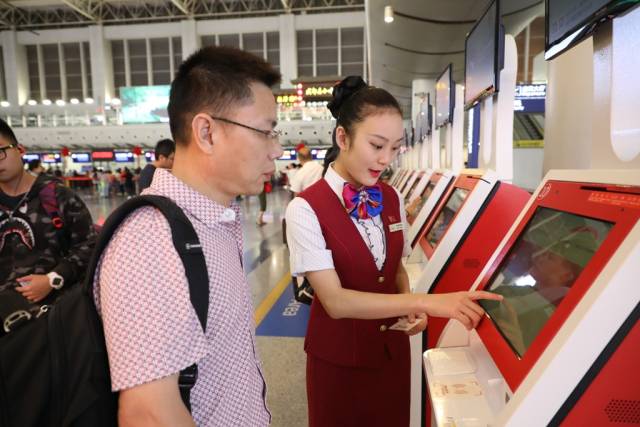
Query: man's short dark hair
{"points": [[34, 164], [214, 80], [7, 133], [165, 147]]}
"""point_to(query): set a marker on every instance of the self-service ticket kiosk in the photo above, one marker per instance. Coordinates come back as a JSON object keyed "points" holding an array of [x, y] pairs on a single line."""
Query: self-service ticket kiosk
{"points": [[395, 181], [464, 230], [562, 347], [420, 208], [419, 187], [405, 179], [411, 184]]}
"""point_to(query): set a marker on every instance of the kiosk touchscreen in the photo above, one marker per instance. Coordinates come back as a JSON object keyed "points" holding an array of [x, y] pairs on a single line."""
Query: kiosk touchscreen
{"points": [[418, 187], [412, 184], [408, 180], [405, 179], [562, 347], [400, 177], [420, 209], [394, 177]]}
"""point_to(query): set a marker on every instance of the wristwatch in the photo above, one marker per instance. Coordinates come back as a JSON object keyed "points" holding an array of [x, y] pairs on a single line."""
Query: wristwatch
{"points": [[56, 281]]}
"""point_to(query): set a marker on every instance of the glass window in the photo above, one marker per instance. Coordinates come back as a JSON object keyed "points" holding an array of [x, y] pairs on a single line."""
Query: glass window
{"points": [[231, 40], [52, 71], [273, 49], [177, 54], [160, 61], [304, 44], [32, 67], [326, 52]]}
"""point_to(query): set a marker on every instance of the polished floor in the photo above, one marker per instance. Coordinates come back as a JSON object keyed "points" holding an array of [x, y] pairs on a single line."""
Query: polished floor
{"points": [[266, 264]]}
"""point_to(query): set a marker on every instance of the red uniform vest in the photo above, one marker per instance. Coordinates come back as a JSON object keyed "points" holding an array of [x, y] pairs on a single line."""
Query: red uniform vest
{"points": [[351, 342]]}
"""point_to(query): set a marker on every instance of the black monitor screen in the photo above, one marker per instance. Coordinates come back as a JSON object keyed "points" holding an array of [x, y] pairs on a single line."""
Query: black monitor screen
{"points": [[50, 158], [445, 217], [481, 59], [539, 270], [566, 16], [444, 97], [123, 156], [81, 157]]}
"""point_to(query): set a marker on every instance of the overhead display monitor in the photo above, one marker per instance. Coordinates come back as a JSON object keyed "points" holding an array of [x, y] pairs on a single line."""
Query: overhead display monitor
{"points": [[150, 156], [145, 104], [102, 156], [29, 157], [50, 157], [288, 155], [483, 56], [81, 157], [570, 21], [445, 97], [321, 154], [539, 271], [445, 217], [123, 156]]}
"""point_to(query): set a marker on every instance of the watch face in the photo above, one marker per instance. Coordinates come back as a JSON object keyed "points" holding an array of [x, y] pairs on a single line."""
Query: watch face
{"points": [[57, 281]]}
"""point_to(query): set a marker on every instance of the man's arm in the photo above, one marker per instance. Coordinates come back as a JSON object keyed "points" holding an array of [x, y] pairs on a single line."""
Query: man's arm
{"points": [[81, 235], [157, 403]]}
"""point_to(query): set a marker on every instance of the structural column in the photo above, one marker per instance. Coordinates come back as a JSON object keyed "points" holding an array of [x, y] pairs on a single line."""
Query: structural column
{"points": [[288, 52], [16, 73], [101, 65]]}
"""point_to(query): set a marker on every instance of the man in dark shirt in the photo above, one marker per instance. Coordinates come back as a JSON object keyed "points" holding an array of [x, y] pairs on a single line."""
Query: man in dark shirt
{"points": [[165, 151], [46, 231]]}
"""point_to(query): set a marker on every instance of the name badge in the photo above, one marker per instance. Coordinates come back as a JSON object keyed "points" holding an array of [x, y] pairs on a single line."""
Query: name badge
{"points": [[396, 227]]}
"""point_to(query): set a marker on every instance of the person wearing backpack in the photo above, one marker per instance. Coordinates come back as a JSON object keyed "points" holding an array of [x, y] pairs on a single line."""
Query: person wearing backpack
{"points": [[222, 116], [46, 236]]}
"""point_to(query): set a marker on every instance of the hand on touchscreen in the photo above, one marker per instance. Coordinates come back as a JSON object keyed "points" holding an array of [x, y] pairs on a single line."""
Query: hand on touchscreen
{"points": [[461, 306]]}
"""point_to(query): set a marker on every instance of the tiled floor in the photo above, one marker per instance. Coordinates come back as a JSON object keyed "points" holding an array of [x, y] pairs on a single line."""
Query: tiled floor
{"points": [[266, 264]]}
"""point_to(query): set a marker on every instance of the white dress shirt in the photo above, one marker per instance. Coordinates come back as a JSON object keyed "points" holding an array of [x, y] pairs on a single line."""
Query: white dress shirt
{"points": [[307, 247], [306, 176]]}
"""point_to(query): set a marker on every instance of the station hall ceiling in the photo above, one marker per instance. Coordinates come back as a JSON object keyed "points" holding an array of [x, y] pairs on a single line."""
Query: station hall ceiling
{"points": [[426, 35]]}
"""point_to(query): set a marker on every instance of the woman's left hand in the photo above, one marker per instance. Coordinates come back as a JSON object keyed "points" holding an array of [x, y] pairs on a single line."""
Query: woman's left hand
{"points": [[420, 326]]}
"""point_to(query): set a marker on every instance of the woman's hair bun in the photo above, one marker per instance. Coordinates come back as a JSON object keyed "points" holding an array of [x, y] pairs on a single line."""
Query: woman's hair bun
{"points": [[343, 91]]}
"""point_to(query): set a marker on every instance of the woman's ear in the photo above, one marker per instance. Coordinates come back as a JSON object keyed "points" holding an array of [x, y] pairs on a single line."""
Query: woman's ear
{"points": [[341, 138]]}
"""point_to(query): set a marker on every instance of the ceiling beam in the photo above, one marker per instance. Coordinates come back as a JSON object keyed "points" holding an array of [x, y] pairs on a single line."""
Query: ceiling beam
{"points": [[83, 7]]}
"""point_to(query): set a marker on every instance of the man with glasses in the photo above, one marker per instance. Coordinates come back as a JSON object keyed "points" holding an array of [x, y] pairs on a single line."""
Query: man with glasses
{"points": [[222, 116], [46, 234]]}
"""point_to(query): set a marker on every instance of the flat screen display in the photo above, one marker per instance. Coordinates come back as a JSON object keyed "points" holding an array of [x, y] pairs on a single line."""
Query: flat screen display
{"points": [[444, 97], [481, 57], [150, 156], [50, 158], [288, 155], [413, 187], [416, 206], [29, 157], [123, 156], [102, 155], [81, 157], [445, 217], [145, 104], [539, 271]]}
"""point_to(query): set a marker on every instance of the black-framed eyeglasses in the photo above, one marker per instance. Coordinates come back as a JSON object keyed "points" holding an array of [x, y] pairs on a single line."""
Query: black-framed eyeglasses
{"points": [[271, 134], [3, 150]]}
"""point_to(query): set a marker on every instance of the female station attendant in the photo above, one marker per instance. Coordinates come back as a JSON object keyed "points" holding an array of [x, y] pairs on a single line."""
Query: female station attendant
{"points": [[346, 234]]}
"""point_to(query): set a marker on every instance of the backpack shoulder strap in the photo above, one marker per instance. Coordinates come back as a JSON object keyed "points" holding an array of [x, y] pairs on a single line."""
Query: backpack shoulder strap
{"points": [[188, 246]]}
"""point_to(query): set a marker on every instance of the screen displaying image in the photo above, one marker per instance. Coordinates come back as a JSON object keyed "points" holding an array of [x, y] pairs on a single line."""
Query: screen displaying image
{"points": [[413, 187], [81, 157], [414, 208], [145, 104], [443, 98], [321, 154], [480, 57], [566, 16], [123, 156], [539, 271], [288, 155], [150, 156], [50, 158], [28, 157], [102, 155], [446, 216]]}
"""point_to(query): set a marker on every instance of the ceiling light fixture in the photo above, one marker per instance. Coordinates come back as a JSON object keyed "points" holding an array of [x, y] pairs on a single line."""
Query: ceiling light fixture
{"points": [[388, 14]]}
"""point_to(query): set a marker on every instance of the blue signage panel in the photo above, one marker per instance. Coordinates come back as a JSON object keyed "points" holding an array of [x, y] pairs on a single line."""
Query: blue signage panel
{"points": [[530, 98]]}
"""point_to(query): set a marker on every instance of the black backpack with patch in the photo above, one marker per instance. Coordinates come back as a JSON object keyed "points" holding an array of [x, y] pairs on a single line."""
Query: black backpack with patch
{"points": [[54, 369]]}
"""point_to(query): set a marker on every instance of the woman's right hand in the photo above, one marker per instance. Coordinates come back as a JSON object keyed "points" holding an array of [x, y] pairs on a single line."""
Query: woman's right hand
{"points": [[461, 306]]}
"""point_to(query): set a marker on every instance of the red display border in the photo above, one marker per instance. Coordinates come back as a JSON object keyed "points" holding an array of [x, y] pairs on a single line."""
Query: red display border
{"points": [[466, 182], [573, 198]]}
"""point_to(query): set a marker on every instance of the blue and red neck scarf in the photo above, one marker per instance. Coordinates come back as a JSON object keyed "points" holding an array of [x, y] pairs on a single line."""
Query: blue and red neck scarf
{"points": [[363, 202]]}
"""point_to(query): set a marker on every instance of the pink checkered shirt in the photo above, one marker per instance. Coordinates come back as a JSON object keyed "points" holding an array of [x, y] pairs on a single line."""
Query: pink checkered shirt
{"points": [[151, 328]]}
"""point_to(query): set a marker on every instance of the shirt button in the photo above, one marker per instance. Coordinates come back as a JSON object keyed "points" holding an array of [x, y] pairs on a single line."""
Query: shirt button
{"points": [[380, 279], [383, 328]]}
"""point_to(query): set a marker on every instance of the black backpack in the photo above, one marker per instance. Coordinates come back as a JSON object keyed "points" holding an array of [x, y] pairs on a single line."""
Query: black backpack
{"points": [[54, 369]]}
